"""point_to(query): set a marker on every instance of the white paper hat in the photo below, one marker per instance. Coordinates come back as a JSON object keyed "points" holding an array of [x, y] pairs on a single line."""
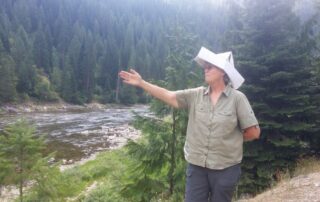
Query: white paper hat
{"points": [[222, 60]]}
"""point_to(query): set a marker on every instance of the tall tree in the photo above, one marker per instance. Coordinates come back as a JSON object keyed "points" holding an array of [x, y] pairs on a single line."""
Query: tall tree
{"points": [[20, 151], [161, 150], [86, 67], [42, 51], [273, 58], [8, 79]]}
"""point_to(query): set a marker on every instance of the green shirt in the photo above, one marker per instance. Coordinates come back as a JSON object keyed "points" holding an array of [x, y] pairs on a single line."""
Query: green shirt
{"points": [[214, 134]]}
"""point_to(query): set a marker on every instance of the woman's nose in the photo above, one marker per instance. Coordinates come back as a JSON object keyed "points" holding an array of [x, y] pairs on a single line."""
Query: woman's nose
{"points": [[207, 68]]}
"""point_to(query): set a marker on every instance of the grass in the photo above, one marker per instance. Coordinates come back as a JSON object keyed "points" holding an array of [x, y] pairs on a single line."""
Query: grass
{"points": [[108, 168], [283, 188], [307, 165], [104, 171], [304, 166]]}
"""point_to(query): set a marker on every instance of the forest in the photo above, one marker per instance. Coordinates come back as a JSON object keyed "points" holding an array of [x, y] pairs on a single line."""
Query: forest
{"points": [[72, 50]]}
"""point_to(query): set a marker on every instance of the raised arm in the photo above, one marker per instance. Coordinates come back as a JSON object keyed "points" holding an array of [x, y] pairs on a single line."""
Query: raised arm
{"points": [[133, 78]]}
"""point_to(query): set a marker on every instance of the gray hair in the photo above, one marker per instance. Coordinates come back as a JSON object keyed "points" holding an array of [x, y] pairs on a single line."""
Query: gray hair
{"points": [[226, 79]]}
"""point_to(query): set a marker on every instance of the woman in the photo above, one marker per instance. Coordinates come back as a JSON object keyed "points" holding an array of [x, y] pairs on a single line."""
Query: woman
{"points": [[220, 119]]}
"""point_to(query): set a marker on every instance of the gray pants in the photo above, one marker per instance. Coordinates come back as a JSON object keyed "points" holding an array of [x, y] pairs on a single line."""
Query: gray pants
{"points": [[203, 184]]}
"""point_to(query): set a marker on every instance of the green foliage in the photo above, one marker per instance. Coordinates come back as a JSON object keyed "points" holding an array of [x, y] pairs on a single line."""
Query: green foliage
{"points": [[152, 168], [43, 89], [158, 164], [81, 45], [50, 185], [107, 170], [21, 158], [128, 95], [56, 79], [8, 80], [272, 54], [75, 48]]}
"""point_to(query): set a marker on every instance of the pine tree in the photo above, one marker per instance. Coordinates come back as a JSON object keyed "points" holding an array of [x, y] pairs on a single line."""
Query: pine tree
{"points": [[20, 153], [69, 87], [42, 51], [161, 149], [85, 68], [25, 70], [273, 58], [8, 78]]}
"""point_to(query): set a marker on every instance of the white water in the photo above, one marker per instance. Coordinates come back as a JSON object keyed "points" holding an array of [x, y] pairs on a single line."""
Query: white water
{"points": [[77, 135]]}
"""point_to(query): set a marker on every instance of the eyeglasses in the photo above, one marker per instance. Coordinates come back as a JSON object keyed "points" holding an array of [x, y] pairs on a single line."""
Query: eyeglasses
{"points": [[208, 66]]}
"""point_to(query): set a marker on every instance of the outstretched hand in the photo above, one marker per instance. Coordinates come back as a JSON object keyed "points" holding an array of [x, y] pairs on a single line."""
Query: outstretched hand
{"points": [[132, 77]]}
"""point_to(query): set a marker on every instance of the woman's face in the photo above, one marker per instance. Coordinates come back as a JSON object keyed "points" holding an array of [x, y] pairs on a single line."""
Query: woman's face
{"points": [[213, 74]]}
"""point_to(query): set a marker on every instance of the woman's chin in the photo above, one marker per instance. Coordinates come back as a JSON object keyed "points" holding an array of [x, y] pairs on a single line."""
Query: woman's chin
{"points": [[207, 80]]}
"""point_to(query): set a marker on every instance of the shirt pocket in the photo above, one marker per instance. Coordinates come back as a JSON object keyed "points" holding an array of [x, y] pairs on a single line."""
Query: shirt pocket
{"points": [[226, 122], [202, 115]]}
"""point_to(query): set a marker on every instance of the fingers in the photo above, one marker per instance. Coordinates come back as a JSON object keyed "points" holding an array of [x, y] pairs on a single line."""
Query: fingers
{"points": [[127, 82], [129, 75], [133, 71], [124, 74]]}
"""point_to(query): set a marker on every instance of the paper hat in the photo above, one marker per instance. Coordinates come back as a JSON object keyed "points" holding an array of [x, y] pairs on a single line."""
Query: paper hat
{"points": [[223, 61]]}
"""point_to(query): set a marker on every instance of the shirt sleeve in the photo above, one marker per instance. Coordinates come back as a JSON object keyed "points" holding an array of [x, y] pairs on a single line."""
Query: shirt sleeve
{"points": [[245, 113], [185, 98]]}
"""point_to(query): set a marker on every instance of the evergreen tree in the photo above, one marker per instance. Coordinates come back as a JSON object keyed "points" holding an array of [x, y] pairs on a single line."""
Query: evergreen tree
{"points": [[26, 71], [20, 153], [69, 87], [161, 150], [41, 51], [86, 68], [274, 60], [43, 89], [8, 78], [92, 38], [312, 30], [56, 78]]}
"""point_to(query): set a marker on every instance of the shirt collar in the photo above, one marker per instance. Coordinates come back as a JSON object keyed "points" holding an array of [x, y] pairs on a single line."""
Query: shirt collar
{"points": [[226, 91]]}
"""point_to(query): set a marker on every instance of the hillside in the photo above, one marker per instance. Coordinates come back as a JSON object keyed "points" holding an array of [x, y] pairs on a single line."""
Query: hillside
{"points": [[304, 187]]}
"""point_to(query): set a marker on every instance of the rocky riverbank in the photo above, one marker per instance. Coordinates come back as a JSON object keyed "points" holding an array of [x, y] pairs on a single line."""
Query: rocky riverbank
{"points": [[121, 135], [50, 107], [77, 132]]}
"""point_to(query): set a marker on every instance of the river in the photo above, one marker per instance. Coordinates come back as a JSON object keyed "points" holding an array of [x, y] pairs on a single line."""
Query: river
{"points": [[75, 135]]}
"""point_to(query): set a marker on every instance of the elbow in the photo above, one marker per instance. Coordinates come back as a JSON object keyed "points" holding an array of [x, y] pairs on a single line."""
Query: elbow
{"points": [[257, 136], [257, 133], [252, 133], [173, 100]]}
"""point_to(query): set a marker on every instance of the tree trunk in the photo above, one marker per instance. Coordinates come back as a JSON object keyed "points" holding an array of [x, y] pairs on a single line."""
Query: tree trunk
{"points": [[21, 190], [118, 82], [172, 156]]}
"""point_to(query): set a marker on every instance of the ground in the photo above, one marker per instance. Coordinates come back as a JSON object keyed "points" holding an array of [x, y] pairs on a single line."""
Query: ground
{"points": [[303, 188]]}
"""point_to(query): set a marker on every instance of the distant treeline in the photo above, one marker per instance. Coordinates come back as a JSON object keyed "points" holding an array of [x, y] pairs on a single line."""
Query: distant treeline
{"points": [[73, 49]]}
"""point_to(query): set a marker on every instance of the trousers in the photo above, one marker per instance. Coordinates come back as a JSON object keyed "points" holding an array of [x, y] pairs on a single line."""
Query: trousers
{"points": [[208, 185]]}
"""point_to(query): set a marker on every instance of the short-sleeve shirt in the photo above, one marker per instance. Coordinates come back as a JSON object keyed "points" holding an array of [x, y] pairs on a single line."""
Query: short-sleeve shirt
{"points": [[214, 134]]}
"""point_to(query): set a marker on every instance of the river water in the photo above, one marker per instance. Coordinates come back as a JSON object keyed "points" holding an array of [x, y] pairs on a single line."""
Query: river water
{"points": [[74, 135]]}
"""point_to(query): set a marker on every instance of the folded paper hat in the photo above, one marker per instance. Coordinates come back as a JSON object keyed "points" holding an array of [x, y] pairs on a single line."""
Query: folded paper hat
{"points": [[223, 61]]}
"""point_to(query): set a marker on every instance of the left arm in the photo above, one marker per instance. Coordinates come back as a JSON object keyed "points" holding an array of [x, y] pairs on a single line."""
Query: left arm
{"points": [[251, 133]]}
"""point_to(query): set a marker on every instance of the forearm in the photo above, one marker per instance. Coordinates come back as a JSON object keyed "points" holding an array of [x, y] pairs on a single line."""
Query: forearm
{"points": [[162, 94], [251, 133]]}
